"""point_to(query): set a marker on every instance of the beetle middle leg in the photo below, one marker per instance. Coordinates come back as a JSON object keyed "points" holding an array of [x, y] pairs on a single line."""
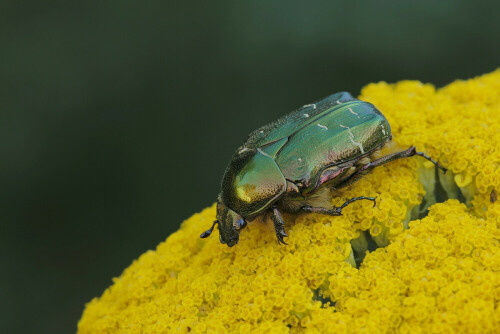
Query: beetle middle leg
{"points": [[278, 225], [336, 211]]}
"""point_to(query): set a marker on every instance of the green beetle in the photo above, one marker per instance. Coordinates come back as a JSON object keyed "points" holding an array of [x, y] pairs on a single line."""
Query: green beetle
{"points": [[295, 163]]}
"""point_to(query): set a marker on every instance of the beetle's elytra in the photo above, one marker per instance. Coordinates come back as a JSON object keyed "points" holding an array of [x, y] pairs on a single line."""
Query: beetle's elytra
{"points": [[295, 163]]}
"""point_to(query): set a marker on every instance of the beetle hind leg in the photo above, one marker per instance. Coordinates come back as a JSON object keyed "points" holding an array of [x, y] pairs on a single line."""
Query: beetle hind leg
{"points": [[279, 225], [423, 155], [398, 155]]}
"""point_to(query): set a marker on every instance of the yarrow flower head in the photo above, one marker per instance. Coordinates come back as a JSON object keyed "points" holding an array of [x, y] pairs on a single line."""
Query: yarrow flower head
{"points": [[426, 259]]}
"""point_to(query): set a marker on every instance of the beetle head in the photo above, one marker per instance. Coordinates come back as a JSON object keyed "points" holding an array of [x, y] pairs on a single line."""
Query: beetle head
{"points": [[230, 224]]}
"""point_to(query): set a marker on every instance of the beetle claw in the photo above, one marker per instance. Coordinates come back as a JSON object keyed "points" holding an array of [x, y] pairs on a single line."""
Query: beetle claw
{"points": [[278, 226], [280, 238], [280, 234]]}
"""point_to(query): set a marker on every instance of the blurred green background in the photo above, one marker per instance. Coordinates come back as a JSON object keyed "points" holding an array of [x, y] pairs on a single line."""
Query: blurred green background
{"points": [[118, 118]]}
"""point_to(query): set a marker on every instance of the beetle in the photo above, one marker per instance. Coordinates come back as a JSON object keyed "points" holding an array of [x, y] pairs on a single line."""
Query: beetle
{"points": [[296, 163]]}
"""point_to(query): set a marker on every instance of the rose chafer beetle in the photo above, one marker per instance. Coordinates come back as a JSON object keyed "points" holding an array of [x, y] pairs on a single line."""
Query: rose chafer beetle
{"points": [[296, 163]]}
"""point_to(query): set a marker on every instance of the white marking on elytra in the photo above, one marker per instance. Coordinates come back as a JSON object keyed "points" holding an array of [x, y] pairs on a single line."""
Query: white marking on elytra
{"points": [[351, 137], [338, 102], [383, 130], [323, 126], [306, 115], [300, 159], [352, 112], [261, 131], [309, 105]]}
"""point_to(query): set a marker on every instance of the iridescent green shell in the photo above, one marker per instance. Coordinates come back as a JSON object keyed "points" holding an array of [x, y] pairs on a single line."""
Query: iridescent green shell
{"points": [[298, 148]]}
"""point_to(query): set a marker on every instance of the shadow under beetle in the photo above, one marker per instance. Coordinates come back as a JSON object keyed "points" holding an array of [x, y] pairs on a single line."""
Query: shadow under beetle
{"points": [[295, 163]]}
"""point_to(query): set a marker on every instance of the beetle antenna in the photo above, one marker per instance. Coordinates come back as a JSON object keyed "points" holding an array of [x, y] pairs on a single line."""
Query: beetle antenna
{"points": [[207, 233]]}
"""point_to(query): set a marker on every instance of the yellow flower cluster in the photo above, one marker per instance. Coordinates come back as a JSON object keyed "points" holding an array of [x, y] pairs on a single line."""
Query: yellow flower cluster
{"points": [[440, 276], [437, 274]]}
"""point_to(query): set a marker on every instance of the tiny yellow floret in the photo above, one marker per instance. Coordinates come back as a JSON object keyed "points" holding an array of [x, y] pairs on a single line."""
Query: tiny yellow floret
{"points": [[426, 259]]}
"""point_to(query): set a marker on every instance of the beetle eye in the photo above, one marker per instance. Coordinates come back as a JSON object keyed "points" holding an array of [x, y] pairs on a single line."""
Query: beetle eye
{"points": [[241, 223]]}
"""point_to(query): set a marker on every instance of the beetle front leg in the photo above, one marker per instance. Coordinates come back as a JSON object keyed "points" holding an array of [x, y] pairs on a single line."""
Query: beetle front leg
{"points": [[278, 225]]}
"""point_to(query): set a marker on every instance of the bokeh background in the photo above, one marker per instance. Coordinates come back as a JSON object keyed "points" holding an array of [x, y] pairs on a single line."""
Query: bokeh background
{"points": [[117, 118]]}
